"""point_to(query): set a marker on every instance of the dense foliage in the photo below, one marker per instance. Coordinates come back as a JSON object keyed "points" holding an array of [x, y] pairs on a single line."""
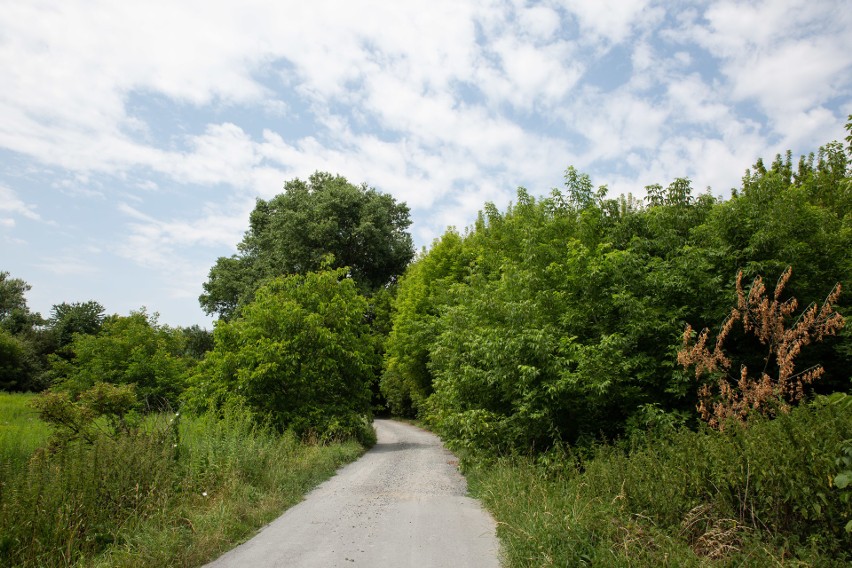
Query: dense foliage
{"points": [[559, 319], [301, 354], [132, 349], [294, 232], [78, 346], [22, 349]]}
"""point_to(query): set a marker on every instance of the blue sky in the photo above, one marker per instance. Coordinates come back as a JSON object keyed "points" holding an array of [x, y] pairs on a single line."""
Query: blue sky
{"points": [[135, 136]]}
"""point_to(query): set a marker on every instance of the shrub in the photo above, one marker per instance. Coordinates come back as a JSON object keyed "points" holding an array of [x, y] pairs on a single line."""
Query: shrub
{"points": [[781, 342], [754, 496], [132, 349], [300, 355]]}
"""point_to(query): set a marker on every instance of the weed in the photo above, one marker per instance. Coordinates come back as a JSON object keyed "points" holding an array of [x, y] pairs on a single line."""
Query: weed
{"points": [[760, 496], [781, 341], [172, 490]]}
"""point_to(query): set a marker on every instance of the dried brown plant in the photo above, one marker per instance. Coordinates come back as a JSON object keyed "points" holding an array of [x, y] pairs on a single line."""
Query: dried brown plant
{"points": [[767, 319], [711, 535]]}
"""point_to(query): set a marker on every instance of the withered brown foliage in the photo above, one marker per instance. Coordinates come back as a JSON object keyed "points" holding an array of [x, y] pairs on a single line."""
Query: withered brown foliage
{"points": [[766, 319]]}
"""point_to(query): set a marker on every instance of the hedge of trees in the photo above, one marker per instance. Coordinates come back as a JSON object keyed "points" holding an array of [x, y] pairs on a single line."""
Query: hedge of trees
{"points": [[559, 319]]}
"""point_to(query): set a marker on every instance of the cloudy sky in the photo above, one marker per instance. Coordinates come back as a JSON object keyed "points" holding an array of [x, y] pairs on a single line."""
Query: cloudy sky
{"points": [[135, 136]]}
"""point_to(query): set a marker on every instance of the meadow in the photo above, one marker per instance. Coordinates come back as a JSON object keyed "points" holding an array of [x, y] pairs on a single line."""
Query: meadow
{"points": [[21, 431]]}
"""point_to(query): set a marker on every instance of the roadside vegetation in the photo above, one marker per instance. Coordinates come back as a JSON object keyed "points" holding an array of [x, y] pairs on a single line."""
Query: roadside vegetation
{"points": [[629, 382], [766, 495], [149, 445], [169, 490], [646, 382]]}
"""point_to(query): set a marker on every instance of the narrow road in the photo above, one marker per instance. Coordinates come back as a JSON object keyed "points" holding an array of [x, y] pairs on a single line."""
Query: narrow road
{"points": [[402, 504]]}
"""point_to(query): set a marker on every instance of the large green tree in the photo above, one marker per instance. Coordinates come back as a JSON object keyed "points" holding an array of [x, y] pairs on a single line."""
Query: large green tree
{"points": [[23, 341], [423, 291], [293, 233], [15, 315]]}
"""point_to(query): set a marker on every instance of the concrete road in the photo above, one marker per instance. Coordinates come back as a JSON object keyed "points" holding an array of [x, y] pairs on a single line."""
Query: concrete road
{"points": [[402, 504]]}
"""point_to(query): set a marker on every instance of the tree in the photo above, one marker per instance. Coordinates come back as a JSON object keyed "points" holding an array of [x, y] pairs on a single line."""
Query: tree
{"points": [[294, 232], [16, 363], [80, 317], [300, 354], [132, 349], [22, 341], [15, 316], [423, 291], [197, 341]]}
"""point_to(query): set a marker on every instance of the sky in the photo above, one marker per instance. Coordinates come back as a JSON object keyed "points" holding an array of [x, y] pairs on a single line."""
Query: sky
{"points": [[135, 137]]}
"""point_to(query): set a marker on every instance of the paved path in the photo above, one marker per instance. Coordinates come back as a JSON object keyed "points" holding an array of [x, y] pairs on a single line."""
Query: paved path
{"points": [[402, 504]]}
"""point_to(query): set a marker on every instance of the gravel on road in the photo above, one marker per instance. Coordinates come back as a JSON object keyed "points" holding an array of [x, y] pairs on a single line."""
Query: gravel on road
{"points": [[404, 503]]}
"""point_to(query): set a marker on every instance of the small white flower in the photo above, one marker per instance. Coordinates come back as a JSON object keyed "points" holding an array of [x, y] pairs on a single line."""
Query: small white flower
{"points": [[174, 445], [204, 494]]}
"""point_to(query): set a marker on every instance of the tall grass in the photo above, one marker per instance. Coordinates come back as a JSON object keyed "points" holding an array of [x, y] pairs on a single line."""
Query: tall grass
{"points": [[178, 491], [761, 496]]}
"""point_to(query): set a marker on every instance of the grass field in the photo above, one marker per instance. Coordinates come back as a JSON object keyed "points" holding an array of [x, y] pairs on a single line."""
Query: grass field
{"points": [[21, 432]]}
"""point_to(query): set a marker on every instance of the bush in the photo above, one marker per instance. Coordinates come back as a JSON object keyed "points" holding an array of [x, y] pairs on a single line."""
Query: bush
{"points": [[174, 491], [300, 355], [753, 496], [132, 349]]}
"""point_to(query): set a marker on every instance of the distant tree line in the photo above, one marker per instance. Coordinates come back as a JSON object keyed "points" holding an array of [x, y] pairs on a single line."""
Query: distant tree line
{"points": [[78, 345]]}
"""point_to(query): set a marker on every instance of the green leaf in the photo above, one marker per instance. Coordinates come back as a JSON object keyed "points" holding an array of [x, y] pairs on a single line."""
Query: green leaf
{"points": [[843, 479]]}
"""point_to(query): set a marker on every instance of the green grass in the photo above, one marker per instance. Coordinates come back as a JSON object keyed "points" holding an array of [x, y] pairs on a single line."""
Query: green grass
{"points": [[179, 491], [756, 497], [21, 431]]}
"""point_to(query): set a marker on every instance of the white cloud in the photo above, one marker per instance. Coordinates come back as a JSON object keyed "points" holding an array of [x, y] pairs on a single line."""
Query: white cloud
{"points": [[790, 57], [530, 75], [67, 266], [540, 22], [12, 204], [153, 242], [612, 20], [619, 123], [164, 247], [223, 154], [695, 101]]}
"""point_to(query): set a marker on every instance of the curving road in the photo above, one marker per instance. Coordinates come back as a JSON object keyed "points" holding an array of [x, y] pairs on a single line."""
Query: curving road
{"points": [[402, 504]]}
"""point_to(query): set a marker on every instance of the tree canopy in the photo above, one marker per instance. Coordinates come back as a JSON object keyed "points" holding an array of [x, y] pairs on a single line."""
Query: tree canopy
{"points": [[294, 232], [77, 317], [15, 315]]}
